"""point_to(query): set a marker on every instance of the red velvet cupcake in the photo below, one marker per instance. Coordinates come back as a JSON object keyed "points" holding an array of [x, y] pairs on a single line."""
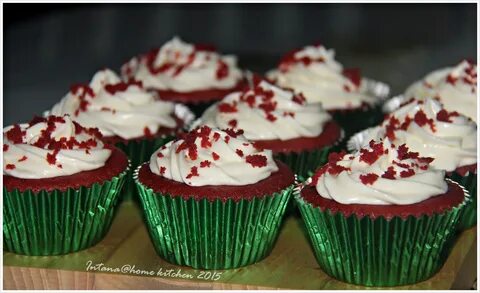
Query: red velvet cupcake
{"points": [[59, 180], [299, 134], [127, 115], [381, 216], [195, 75], [229, 196], [353, 101]]}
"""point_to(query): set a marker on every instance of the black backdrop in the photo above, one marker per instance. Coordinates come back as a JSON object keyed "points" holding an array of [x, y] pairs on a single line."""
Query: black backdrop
{"points": [[49, 46]]}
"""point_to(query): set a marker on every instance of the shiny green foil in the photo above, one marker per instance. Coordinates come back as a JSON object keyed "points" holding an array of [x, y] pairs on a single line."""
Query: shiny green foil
{"points": [[468, 217], [353, 121], [303, 164], [139, 151], [380, 252], [213, 234], [59, 222]]}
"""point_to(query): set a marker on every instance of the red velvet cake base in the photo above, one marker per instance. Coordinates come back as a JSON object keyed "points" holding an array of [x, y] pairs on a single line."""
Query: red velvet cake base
{"points": [[437, 204], [200, 96], [116, 164], [465, 169], [330, 135], [275, 183]]}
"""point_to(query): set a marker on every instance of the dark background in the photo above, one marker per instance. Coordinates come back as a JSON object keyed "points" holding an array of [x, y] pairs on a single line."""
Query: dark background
{"points": [[47, 47]]}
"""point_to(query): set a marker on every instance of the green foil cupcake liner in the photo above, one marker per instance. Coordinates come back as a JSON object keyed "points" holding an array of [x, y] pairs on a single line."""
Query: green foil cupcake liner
{"points": [[215, 234], [139, 151], [468, 217], [380, 252], [59, 222]]}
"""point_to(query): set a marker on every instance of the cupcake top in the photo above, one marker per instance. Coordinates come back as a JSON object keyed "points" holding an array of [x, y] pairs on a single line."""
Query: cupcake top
{"points": [[426, 127], [455, 87], [183, 67], [207, 156], [51, 147], [267, 112], [117, 108], [379, 174], [314, 72]]}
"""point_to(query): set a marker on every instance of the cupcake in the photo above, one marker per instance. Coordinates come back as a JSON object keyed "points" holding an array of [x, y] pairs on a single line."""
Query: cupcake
{"points": [[212, 200], [195, 75], [313, 71], [381, 216], [455, 87], [432, 131], [128, 116], [299, 134], [60, 186]]}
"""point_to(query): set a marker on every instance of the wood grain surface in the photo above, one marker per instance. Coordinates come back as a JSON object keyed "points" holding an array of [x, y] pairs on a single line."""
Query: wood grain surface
{"points": [[127, 246]]}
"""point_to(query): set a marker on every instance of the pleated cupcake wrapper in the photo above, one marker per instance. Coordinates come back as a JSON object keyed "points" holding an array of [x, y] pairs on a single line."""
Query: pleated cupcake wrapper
{"points": [[215, 234], [139, 151], [380, 252], [59, 222], [468, 217]]}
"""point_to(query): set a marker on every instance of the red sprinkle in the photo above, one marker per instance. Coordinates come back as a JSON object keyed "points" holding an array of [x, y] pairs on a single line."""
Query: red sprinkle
{"points": [[390, 173], [239, 152], [222, 70], [15, 134], [444, 116], [193, 172], [216, 136], [421, 119], [407, 173], [10, 166], [233, 123], [372, 156], [215, 156], [257, 160], [227, 108], [205, 164], [160, 155], [270, 117], [368, 179], [162, 170]]}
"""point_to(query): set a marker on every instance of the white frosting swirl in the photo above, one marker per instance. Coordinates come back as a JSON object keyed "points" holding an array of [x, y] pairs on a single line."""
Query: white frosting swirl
{"points": [[404, 184], [33, 152], [116, 108], [314, 72], [212, 157], [268, 112], [456, 87], [181, 67], [453, 143]]}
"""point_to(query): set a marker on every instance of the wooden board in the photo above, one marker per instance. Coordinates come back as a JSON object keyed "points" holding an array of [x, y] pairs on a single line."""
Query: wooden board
{"points": [[291, 264]]}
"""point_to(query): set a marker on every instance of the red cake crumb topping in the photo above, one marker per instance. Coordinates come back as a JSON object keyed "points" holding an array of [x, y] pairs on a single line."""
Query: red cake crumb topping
{"points": [[368, 179], [290, 59], [82, 91], [372, 156], [193, 172], [162, 170], [390, 173], [233, 133], [215, 156], [10, 166], [24, 158], [256, 160], [222, 70], [299, 99], [233, 123], [205, 164], [444, 116], [216, 136], [160, 155], [227, 108], [451, 79], [239, 152], [122, 86], [5, 147], [421, 119], [354, 75], [15, 134]]}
